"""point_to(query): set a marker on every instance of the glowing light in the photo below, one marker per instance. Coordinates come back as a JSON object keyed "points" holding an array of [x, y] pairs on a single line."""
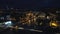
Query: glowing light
{"points": [[53, 24], [48, 17], [29, 14], [8, 23]]}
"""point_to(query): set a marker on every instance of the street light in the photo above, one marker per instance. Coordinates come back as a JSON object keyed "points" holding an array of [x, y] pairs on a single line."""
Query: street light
{"points": [[53, 24]]}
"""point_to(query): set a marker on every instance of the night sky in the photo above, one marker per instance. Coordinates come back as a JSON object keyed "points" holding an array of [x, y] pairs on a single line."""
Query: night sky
{"points": [[30, 3]]}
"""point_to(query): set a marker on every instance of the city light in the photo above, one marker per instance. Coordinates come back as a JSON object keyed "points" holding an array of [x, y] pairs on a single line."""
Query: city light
{"points": [[8, 23], [48, 17], [54, 24], [44, 21]]}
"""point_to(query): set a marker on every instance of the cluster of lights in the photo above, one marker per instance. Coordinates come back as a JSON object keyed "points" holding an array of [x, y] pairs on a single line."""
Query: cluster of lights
{"points": [[31, 17]]}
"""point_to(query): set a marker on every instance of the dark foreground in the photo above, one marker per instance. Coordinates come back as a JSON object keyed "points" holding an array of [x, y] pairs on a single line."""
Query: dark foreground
{"points": [[7, 31]]}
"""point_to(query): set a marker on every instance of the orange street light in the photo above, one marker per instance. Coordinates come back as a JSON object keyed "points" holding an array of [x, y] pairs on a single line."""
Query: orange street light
{"points": [[53, 24]]}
